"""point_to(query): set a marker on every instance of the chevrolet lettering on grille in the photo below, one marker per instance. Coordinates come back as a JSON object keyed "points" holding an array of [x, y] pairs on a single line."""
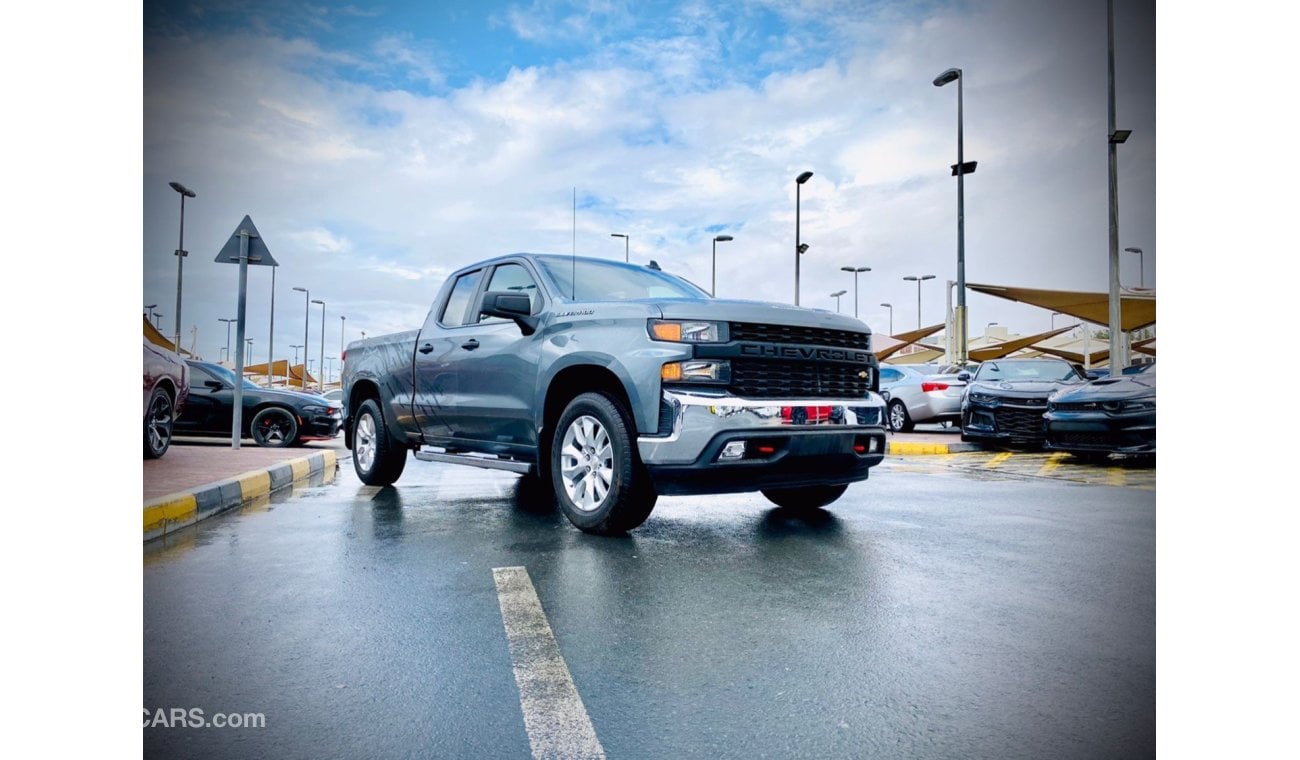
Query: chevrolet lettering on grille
{"points": [[770, 351]]}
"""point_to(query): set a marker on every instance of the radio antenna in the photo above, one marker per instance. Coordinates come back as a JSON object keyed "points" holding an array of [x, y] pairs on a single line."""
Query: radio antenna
{"points": [[573, 256]]}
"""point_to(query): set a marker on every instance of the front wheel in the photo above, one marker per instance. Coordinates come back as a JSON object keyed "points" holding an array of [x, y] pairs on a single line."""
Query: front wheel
{"points": [[158, 424], [598, 479], [806, 498], [274, 427], [377, 461]]}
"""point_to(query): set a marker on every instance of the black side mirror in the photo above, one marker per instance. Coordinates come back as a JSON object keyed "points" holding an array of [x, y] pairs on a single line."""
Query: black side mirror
{"points": [[963, 376], [215, 385], [513, 306]]}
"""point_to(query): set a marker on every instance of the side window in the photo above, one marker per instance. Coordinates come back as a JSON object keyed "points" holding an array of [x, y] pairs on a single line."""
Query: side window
{"points": [[514, 278], [454, 313], [889, 375], [199, 376]]}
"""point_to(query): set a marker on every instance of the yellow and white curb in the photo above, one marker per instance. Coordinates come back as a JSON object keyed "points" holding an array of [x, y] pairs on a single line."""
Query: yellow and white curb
{"points": [[167, 514], [909, 448]]}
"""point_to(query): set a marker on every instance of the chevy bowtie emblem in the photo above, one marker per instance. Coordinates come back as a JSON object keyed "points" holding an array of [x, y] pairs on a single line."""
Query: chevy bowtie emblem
{"points": [[863, 375]]}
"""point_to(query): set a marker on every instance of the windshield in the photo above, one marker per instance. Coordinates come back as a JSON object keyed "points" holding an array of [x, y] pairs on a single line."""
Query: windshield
{"points": [[612, 281], [1026, 370], [227, 376]]}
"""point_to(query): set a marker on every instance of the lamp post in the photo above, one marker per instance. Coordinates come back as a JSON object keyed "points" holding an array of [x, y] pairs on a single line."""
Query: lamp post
{"points": [[798, 248], [295, 355], [959, 170], [713, 290], [1141, 268], [329, 368], [151, 307], [228, 323], [1118, 359], [180, 254], [306, 322], [1055, 314], [890, 306], [836, 295], [918, 279], [856, 271], [157, 321], [626, 246], [320, 381], [343, 323], [248, 352]]}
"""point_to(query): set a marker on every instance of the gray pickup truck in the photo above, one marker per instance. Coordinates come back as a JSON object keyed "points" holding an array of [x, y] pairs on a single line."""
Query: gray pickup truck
{"points": [[613, 383]]}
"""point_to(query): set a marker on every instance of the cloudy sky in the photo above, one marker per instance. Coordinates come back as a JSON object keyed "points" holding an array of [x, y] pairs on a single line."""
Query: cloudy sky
{"points": [[378, 147]]}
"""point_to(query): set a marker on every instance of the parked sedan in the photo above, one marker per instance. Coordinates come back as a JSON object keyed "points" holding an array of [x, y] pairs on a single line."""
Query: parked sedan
{"points": [[271, 416], [1107, 416], [166, 385], [1006, 399], [920, 393]]}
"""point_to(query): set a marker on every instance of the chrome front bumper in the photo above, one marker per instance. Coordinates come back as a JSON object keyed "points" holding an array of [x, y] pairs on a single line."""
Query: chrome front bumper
{"points": [[698, 419]]}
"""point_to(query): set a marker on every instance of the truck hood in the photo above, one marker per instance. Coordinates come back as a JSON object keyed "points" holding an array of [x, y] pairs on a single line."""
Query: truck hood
{"points": [[760, 312]]}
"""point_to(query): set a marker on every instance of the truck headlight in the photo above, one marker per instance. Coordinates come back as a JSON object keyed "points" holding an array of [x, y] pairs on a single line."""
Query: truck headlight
{"points": [[681, 331], [696, 372]]}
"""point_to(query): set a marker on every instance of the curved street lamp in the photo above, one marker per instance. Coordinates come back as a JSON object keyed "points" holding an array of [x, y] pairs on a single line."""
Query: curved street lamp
{"points": [[713, 291], [1141, 268], [960, 170], [836, 295], [890, 306], [180, 254], [306, 322], [320, 381], [626, 242]]}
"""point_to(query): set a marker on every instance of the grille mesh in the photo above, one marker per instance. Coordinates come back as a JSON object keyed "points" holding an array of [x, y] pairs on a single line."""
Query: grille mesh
{"points": [[804, 336], [1021, 423], [752, 378]]}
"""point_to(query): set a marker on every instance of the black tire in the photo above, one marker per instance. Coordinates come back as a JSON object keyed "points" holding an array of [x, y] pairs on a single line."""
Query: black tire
{"points": [[274, 428], [899, 420], [805, 498], [607, 490], [158, 424], [377, 461]]}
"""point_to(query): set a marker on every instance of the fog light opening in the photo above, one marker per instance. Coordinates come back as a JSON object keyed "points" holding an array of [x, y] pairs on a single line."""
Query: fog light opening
{"points": [[733, 450]]}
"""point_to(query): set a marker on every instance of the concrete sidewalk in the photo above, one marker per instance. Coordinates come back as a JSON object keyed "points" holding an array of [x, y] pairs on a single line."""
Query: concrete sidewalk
{"points": [[198, 478]]}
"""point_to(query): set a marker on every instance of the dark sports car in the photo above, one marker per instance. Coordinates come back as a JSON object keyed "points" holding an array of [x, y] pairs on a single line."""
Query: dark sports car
{"points": [[271, 417], [166, 383], [1006, 398], [1107, 416]]}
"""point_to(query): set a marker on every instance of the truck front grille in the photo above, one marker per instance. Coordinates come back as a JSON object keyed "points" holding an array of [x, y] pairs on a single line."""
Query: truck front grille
{"points": [[757, 378], [804, 336]]}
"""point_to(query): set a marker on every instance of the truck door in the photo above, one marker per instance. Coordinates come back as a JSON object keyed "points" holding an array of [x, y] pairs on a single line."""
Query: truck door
{"points": [[497, 368], [437, 383]]}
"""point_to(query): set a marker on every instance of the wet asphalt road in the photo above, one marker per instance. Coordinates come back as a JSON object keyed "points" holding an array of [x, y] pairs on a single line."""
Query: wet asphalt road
{"points": [[933, 612]]}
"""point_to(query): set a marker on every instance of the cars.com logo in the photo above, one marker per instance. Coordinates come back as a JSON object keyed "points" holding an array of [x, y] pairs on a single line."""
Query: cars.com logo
{"points": [[195, 717]]}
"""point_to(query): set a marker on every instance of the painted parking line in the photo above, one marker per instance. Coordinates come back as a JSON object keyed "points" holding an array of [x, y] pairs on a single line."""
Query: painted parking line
{"points": [[554, 716], [1115, 476], [998, 459], [1053, 461]]}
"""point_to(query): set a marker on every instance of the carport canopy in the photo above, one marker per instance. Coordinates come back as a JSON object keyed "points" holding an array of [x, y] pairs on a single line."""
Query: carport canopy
{"points": [[1137, 306]]}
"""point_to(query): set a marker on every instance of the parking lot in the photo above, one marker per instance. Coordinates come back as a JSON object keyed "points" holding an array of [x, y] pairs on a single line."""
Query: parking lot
{"points": [[977, 604]]}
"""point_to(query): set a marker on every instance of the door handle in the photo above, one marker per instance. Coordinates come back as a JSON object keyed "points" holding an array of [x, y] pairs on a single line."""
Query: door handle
{"points": [[470, 344], [426, 348]]}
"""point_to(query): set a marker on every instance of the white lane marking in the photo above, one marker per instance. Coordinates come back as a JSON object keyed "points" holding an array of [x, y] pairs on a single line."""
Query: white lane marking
{"points": [[554, 716]]}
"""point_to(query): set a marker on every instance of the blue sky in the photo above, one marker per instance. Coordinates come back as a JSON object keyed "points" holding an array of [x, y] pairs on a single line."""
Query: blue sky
{"points": [[379, 147]]}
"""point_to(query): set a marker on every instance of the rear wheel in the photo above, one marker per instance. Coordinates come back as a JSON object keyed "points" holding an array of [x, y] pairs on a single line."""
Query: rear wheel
{"points": [[274, 427], [806, 498], [377, 461], [899, 420], [598, 479], [158, 424]]}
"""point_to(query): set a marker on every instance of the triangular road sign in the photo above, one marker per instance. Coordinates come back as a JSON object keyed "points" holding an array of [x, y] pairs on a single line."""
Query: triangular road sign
{"points": [[258, 253]]}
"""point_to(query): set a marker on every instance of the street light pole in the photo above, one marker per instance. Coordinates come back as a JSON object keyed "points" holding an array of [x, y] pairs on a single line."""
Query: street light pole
{"points": [[855, 271], [151, 307], [918, 280], [343, 324], [329, 368], [320, 381], [960, 170], [180, 254], [306, 322], [157, 321], [295, 354], [1118, 359], [890, 306], [248, 352], [798, 248], [270, 344], [836, 295], [228, 323], [626, 246], [1141, 268], [713, 290]]}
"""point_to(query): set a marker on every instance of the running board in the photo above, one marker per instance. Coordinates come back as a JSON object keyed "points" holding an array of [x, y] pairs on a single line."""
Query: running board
{"points": [[511, 465]]}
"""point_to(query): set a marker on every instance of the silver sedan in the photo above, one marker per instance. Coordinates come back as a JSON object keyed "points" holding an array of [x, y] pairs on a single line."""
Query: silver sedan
{"points": [[920, 393]]}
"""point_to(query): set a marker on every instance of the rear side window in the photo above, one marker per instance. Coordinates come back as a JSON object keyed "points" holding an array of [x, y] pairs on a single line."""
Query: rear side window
{"points": [[888, 375], [454, 313]]}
